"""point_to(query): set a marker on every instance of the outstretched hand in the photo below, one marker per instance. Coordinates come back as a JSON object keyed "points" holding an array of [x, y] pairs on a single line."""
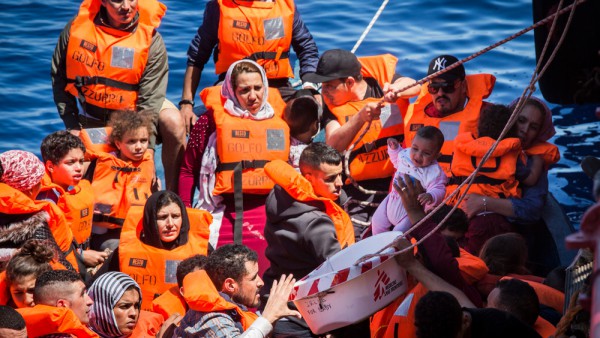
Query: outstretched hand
{"points": [[276, 306]]}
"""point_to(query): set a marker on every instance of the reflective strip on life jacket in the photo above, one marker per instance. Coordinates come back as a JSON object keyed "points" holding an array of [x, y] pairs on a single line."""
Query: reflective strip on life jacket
{"points": [[104, 66], [479, 87], [369, 158], [256, 30], [152, 268]]}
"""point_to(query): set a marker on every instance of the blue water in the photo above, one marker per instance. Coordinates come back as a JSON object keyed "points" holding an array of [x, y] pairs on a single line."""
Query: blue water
{"points": [[413, 30]]}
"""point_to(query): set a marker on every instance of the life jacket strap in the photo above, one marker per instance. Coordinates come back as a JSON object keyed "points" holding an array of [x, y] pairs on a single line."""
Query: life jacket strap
{"points": [[254, 164], [268, 56], [108, 219]]}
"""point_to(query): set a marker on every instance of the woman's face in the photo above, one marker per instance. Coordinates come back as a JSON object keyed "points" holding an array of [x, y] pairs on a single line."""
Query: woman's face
{"points": [[127, 311], [529, 125], [168, 219], [249, 91], [21, 291]]}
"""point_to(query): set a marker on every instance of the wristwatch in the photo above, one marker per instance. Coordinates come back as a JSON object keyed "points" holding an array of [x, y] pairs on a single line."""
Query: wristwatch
{"points": [[186, 102]]}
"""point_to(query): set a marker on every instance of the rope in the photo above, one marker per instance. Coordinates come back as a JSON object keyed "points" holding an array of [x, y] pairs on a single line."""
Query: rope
{"points": [[438, 73], [526, 93], [508, 126], [368, 29]]}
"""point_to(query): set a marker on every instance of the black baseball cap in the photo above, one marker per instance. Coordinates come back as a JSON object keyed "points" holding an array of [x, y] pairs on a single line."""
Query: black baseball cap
{"points": [[334, 64], [442, 62]]}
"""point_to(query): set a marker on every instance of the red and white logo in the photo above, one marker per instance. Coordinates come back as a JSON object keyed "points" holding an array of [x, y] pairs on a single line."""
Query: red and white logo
{"points": [[380, 285]]}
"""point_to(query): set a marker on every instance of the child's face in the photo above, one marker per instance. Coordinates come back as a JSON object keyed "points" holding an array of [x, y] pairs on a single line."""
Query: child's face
{"points": [[423, 152], [69, 170], [133, 145]]}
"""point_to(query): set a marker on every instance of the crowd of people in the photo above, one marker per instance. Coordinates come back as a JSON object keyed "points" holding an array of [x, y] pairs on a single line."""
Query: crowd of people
{"points": [[91, 245]]}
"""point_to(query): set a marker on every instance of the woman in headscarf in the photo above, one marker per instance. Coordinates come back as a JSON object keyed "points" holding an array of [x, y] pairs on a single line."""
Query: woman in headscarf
{"points": [[21, 216], [535, 128], [228, 147], [154, 239], [116, 308]]}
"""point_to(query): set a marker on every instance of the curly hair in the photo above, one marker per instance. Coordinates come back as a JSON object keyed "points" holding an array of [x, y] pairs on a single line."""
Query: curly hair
{"points": [[32, 259], [58, 144], [229, 261], [124, 121], [492, 121]]}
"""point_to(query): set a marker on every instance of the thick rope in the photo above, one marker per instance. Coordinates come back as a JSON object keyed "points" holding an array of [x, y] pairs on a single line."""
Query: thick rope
{"points": [[438, 73], [368, 29], [518, 107]]}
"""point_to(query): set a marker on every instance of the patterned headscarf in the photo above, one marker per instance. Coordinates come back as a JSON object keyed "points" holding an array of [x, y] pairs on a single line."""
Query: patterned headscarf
{"points": [[106, 291], [22, 169], [547, 128], [232, 105]]}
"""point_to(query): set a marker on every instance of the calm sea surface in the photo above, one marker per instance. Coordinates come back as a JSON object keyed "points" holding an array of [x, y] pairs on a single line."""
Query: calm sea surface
{"points": [[413, 30]]}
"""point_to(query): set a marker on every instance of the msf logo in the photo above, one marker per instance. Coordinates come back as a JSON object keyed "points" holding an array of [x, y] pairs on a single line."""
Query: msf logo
{"points": [[380, 285], [439, 64]]}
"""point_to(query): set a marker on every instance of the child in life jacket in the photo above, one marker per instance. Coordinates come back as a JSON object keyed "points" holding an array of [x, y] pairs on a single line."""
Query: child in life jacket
{"points": [[499, 176], [63, 155], [121, 178], [420, 162], [302, 114]]}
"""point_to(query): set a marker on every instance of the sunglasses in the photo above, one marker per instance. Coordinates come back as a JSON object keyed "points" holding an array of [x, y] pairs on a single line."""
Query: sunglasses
{"points": [[446, 87]]}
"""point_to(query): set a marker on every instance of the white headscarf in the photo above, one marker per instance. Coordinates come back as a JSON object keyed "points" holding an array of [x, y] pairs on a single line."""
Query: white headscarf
{"points": [[232, 106]]}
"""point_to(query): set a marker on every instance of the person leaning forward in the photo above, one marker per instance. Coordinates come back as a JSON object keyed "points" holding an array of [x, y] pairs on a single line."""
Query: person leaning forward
{"points": [[451, 101], [219, 295], [305, 225], [352, 90], [110, 57]]}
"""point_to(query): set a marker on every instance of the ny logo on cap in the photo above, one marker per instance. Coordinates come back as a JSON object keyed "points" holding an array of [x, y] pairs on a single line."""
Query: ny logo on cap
{"points": [[440, 63]]}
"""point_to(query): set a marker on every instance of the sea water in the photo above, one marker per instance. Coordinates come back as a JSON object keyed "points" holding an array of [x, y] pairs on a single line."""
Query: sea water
{"points": [[415, 31]]}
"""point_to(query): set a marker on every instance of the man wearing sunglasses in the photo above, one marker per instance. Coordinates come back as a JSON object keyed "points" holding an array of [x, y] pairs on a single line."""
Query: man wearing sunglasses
{"points": [[451, 101], [352, 89]]}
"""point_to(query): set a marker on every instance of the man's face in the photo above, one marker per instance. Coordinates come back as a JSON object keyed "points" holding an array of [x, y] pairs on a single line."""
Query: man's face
{"points": [[448, 97], [248, 288], [335, 92], [80, 302], [120, 12], [327, 181]]}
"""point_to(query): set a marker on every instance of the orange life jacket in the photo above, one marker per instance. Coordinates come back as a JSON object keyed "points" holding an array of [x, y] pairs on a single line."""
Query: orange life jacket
{"points": [[544, 328], [247, 144], [13, 201], [77, 205], [152, 268], [5, 296], [399, 316], [547, 295], [496, 178], [369, 158], [148, 325], [256, 30], [472, 268], [105, 65], [548, 151], [169, 302], [479, 87], [202, 296], [284, 175], [43, 320], [118, 185], [95, 140]]}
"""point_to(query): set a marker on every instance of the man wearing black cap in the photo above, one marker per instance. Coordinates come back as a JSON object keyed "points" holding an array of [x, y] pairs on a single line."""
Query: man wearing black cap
{"points": [[353, 89], [451, 102]]}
